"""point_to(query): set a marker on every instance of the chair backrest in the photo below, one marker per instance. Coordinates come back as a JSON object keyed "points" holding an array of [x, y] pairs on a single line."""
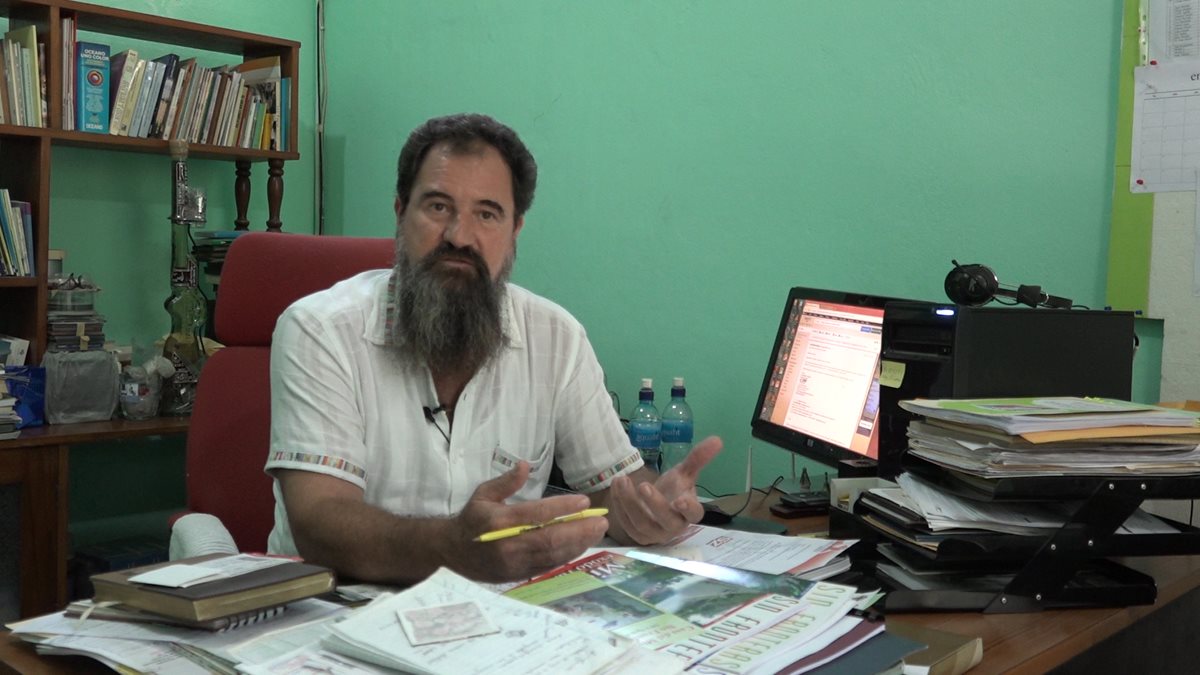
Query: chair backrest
{"points": [[229, 433]]}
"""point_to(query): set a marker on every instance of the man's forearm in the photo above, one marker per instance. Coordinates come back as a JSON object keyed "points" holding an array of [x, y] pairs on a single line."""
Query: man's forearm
{"points": [[367, 543]]}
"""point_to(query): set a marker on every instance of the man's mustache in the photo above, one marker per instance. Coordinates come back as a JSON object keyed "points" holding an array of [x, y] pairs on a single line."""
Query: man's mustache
{"points": [[447, 252]]}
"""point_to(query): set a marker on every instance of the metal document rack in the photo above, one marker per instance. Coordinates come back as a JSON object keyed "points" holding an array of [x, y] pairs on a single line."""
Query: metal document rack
{"points": [[1067, 568]]}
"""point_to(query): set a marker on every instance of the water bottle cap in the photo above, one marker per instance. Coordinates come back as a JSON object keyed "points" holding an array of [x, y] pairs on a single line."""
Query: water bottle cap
{"points": [[647, 383], [678, 382]]}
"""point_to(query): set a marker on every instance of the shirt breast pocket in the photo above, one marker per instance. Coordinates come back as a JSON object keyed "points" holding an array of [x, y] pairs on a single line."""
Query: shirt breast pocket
{"points": [[539, 460]]}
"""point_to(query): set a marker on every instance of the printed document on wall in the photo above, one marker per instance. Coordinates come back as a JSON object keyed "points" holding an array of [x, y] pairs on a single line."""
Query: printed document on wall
{"points": [[1166, 128], [1172, 30]]}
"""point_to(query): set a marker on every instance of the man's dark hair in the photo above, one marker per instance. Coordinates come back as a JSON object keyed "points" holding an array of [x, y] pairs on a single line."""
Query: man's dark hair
{"points": [[463, 132]]}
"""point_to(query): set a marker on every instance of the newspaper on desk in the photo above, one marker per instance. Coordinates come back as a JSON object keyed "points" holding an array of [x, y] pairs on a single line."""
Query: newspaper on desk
{"points": [[530, 639], [766, 553]]}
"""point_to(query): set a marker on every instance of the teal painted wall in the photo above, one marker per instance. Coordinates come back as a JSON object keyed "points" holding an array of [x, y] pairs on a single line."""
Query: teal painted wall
{"points": [[698, 158]]}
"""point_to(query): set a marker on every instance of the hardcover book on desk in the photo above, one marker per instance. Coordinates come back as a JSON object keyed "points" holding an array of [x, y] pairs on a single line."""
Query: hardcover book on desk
{"points": [[258, 590]]}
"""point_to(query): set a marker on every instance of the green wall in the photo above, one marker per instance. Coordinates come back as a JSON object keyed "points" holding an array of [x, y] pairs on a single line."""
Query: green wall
{"points": [[699, 157]]}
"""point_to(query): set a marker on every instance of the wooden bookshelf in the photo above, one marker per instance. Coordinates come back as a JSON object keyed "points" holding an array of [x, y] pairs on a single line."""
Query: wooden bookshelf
{"points": [[37, 463], [26, 168], [37, 460]]}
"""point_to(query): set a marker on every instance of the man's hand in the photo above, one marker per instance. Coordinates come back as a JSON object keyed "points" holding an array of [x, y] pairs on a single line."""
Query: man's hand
{"points": [[527, 554], [655, 512]]}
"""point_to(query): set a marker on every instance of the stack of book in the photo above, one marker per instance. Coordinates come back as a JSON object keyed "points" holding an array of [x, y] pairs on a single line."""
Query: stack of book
{"points": [[192, 615], [72, 322], [210, 250]]}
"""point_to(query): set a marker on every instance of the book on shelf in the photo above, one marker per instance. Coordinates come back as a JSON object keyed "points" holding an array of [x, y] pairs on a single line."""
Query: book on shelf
{"points": [[170, 63], [17, 348], [69, 85], [25, 41], [281, 582], [12, 231], [6, 116], [92, 74], [122, 66], [147, 98], [8, 261], [43, 88], [183, 80], [135, 91], [264, 75], [14, 82], [25, 209]]}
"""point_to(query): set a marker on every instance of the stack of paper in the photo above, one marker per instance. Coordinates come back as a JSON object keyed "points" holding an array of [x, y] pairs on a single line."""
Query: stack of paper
{"points": [[447, 624], [1021, 415], [996, 438]]}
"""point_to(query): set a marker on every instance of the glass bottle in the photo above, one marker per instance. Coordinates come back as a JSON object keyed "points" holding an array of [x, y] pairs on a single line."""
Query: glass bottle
{"points": [[186, 305]]}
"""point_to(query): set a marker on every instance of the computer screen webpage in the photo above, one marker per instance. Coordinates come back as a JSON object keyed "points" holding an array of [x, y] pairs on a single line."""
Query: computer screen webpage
{"points": [[825, 381]]}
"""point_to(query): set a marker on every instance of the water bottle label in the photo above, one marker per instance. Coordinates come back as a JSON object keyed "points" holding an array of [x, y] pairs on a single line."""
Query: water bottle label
{"points": [[676, 431], [645, 435]]}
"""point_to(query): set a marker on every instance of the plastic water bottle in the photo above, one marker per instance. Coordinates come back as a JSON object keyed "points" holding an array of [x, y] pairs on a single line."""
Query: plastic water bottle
{"points": [[676, 427], [645, 426]]}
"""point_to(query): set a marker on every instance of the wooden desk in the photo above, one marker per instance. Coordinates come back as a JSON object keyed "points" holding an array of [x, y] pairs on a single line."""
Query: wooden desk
{"points": [[1039, 642], [37, 461], [1019, 643]]}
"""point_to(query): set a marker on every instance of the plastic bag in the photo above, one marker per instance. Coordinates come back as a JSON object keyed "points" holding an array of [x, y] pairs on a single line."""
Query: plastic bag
{"points": [[81, 386], [28, 385]]}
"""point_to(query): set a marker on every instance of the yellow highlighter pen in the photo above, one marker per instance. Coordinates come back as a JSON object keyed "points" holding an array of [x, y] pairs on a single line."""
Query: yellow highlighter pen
{"points": [[514, 531]]}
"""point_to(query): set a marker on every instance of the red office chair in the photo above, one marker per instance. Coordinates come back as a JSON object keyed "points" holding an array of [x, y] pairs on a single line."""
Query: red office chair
{"points": [[229, 433]]}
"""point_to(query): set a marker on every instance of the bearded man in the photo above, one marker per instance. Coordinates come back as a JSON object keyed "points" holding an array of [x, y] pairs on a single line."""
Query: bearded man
{"points": [[416, 408]]}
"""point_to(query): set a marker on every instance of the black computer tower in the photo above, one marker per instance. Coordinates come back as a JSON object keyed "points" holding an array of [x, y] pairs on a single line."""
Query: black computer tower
{"points": [[950, 351]]}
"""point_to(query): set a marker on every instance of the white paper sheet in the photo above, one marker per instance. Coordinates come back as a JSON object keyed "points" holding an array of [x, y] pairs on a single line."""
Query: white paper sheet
{"points": [[1172, 30], [769, 553], [1166, 128]]}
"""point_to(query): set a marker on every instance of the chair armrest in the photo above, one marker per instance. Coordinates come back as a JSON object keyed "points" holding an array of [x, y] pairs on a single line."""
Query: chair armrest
{"points": [[194, 534]]}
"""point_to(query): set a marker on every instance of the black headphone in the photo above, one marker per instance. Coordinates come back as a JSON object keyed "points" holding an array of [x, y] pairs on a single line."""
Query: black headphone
{"points": [[976, 284]]}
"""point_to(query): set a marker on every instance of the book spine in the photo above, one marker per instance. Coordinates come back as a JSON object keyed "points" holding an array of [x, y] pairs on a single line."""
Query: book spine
{"points": [[182, 82], [6, 242], [131, 97], [93, 78], [43, 95], [170, 73], [122, 66]]}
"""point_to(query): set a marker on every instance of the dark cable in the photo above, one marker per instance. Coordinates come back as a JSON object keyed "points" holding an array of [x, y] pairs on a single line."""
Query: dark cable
{"points": [[429, 417]]}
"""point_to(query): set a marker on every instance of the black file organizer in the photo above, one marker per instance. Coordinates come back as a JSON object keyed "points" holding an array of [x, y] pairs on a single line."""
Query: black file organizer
{"points": [[1067, 568]]}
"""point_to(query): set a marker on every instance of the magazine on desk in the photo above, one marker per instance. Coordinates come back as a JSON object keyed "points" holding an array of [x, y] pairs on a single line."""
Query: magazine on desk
{"points": [[694, 618]]}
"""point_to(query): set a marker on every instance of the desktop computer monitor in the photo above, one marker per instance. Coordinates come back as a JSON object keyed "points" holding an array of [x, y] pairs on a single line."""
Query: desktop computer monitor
{"points": [[820, 393]]}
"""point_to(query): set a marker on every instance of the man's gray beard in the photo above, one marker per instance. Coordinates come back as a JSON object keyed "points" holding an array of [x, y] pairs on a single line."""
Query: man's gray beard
{"points": [[453, 325]]}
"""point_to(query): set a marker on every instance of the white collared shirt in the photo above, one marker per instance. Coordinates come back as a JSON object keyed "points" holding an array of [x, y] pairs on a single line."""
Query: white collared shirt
{"points": [[342, 404]]}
